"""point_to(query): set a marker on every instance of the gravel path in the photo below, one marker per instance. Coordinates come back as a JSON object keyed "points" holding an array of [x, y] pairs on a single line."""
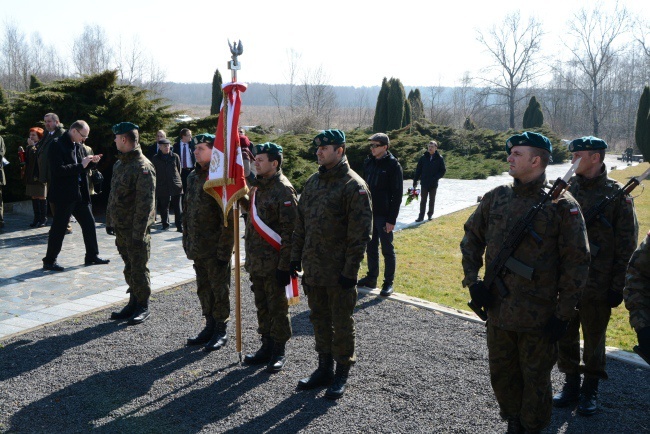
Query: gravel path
{"points": [[417, 371]]}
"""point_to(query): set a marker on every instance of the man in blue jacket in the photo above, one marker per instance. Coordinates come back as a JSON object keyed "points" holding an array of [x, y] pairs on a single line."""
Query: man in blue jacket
{"points": [[431, 167], [383, 174]]}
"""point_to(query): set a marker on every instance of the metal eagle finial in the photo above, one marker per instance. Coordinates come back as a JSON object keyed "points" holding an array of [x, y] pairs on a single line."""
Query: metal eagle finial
{"points": [[236, 49]]}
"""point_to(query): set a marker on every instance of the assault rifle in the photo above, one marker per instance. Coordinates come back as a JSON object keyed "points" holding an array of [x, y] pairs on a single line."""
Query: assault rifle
{"points": [[596, 212], [503, 258]]}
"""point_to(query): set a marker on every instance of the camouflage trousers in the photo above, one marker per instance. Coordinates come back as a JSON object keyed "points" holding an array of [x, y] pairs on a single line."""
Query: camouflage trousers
{"points": [[272, 308], [593, 316], [213, 288], [135, 257], [331, 315], [520, 373]]}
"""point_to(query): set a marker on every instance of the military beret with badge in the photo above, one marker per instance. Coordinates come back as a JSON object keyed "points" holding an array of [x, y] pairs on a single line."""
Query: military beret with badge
{"points": [[268, 148], [124, 127], [529, 138], [587, 143], [330, 137], [204, 138]]}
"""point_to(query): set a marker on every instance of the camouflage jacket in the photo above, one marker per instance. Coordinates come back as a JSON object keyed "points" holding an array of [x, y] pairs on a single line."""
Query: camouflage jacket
{"points": [[637, 286], [560, 262], [333, 225], [204, 234], [611, 242], [131, 204], [276, 203]]}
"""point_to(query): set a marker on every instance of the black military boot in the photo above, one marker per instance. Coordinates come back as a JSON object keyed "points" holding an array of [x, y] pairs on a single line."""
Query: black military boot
{"points": [[219, 337], [322, 376], [588, 397], [263, 355], [515, 426], [277, 358], [127, 311], [570, 391], [204, 335], [337, 388], [37, 212], [140, 314]]}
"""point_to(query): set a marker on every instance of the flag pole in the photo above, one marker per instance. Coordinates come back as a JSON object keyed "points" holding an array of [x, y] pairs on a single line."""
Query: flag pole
{"points": [[234, 65]]}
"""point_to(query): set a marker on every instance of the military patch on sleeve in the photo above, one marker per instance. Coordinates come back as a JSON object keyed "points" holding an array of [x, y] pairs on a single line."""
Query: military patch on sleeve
{"points": [[362, 192], [287, 203], [145, 171], [629, 199], [574, 211]]}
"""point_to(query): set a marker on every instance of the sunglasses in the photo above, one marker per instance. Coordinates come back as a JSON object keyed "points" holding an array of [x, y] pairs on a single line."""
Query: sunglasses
{"points": [[374, 146]]}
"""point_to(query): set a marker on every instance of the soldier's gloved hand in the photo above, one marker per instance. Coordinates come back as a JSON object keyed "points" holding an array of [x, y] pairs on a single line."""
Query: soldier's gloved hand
{"points": [[295, 267], [222, 263], [555, 329], [283, 277], [644, 343], [480, 294], [614, 298], [347, 283], [110, 230]]}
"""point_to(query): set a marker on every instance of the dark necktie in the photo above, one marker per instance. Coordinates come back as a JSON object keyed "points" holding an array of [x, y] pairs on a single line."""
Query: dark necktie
{"points": [[184, 152]]}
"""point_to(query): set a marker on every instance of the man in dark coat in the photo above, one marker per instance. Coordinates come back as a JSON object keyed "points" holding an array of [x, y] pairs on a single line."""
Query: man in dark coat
{"points": [[168, 184], [3, 149], [431, 167], [184, 148], [70, 193], [383, 174]]}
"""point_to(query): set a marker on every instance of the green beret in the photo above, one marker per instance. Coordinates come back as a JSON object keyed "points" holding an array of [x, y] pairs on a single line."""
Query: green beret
{"points": [[124, 127], [330, 137], [268, 148], [204, 138], [587, 143], [529, 138]]}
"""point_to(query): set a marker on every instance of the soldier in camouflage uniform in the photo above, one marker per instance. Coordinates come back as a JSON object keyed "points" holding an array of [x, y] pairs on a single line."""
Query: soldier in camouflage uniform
{"points": [[209, 244], [523, 328], [275, 205], [130, 212], [612, 238], [637, 296], [332, 229]]}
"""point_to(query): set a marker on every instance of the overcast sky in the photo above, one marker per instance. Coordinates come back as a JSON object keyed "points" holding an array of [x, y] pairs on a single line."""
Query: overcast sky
{"points": [[356, 42]]}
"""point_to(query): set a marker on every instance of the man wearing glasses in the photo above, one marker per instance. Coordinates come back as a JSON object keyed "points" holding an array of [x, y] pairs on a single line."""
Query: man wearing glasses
{"points": [[430, 168], [70, 193], [383, 174]]}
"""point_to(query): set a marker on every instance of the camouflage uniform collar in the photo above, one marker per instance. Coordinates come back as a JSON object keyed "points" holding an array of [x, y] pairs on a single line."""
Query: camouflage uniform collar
{"points": [[531, 188], [341, 168], [131, 155], [593, 182], [263, 183]]}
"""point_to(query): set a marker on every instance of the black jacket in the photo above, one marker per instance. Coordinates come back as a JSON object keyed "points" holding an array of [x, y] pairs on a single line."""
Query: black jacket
{"points": [[177, 150], [68, 182], [384, 178], [430, 170]]}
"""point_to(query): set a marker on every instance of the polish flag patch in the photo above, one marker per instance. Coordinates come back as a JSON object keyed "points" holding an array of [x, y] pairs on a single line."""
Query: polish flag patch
{"points": [[574, 211], [287, 203], [362, 191], [628, 200]]}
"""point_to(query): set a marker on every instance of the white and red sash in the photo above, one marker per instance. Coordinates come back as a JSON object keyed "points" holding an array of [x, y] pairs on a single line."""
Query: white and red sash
{"points": [[274, 239]]}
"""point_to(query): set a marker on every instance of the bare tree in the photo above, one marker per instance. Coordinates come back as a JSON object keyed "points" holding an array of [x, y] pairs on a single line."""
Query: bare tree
{"points": [[362, 110], [514, 47], [15, 60], [593, 44], [137, 68], [91, 53], [316, 96], [277, 94]]}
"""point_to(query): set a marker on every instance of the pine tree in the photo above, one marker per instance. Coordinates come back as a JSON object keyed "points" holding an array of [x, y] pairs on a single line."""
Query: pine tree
{"points": [[533, 116], [417, 107], [217, 93], [4, 107], [642, 129], [407, 113], [380, 120], [34, 82], [396, 97]]}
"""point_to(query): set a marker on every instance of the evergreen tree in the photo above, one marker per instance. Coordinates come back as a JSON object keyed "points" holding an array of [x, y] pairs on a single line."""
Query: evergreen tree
{"points": [[217, 93], [4, 108], [380, 120], [417, 107], [34, 82], [533, 116], [396, 97], [407, 113], [469, 124], [642, 129]]}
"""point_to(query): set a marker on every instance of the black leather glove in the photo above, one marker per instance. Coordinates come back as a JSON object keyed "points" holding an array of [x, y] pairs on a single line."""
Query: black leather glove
{"points": [[110, 230], [614, 298], [555, 328], [347, 283], [480, 294], [294, 268], [283, 277], [222, 263]]}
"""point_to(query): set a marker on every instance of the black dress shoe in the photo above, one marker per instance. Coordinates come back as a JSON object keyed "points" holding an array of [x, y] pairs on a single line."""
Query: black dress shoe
{"points": [[368, 282], [165, 227], [386, 289], [54, 266], [96, 260], [419, 219], [180, 229]]}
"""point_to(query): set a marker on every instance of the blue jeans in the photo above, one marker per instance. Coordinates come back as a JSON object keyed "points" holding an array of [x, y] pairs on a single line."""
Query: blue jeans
{"points": [[379, 234]]}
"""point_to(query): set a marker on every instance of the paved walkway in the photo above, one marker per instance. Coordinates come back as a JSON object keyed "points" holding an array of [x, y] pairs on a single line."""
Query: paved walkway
{"points": [[30, 297]]}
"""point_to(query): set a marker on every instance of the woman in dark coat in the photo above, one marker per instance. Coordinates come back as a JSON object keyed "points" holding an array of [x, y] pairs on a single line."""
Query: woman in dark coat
{"points": [[168, 184], [36, 190]]}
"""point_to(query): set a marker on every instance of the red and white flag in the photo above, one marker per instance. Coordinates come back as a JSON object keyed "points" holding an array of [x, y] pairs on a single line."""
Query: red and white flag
{"points": [[226, 181]]}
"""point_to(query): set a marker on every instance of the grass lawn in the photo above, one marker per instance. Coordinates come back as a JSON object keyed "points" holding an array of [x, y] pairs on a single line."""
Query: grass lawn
{"points": [[429, 260]]}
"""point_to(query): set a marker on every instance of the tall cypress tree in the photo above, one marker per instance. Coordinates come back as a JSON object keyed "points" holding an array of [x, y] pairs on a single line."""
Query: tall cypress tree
{"points": [[396, 97], [417, 107], [380, 120], [642, 129], [217, 94], [4, 107], [407, 113], [533, 116]]}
